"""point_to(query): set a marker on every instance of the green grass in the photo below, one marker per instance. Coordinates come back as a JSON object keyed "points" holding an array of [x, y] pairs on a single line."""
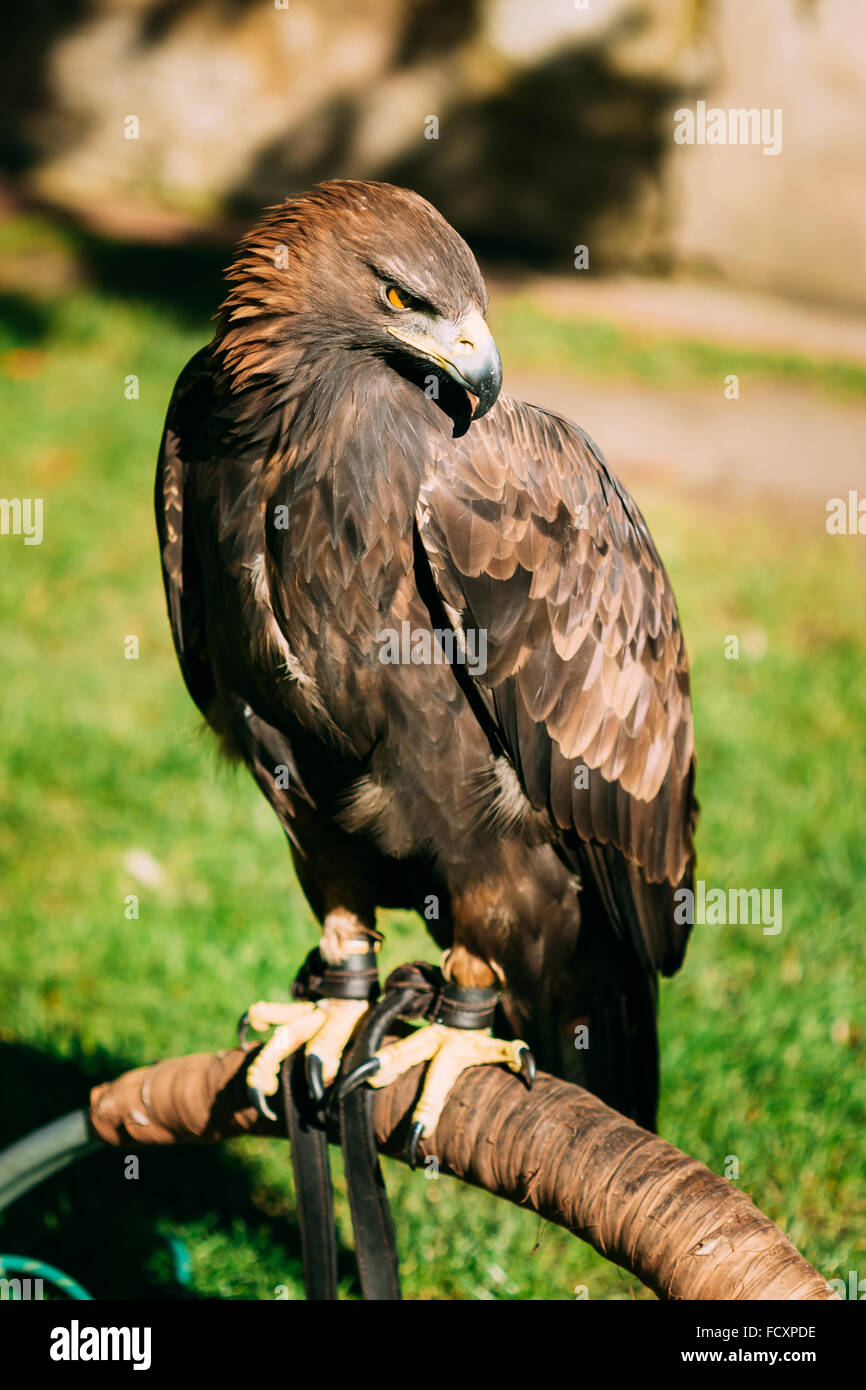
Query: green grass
{"points": [[763, 1036]]}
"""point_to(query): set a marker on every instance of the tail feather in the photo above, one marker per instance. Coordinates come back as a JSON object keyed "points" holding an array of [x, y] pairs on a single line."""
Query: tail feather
{"points": [[620, 1063], [596, 1024]]}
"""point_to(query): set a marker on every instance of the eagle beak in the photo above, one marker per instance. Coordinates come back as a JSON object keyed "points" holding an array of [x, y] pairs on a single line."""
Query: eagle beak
{"points": [[465, 351]]}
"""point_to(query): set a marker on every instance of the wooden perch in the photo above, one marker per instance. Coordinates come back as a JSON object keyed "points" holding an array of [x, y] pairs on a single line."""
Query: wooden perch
{"points": [[684, 1231]]}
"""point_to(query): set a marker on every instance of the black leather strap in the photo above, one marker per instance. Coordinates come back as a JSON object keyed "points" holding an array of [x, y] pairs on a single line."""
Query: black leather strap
{"points": [[460, 1007], [356, 977], [417, 990], [375, 1248], [373, 1227], [309, 1145]]}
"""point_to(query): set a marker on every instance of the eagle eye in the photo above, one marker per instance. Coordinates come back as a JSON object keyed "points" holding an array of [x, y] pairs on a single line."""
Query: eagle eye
{"points": [[397, 298]]}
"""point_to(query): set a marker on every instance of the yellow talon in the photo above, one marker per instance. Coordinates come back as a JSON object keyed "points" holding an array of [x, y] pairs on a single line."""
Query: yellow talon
{"points": [[449, 1051], [325, 1027]]}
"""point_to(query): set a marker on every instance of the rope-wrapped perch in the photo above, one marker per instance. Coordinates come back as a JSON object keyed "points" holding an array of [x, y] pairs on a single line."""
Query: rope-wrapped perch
{"points": [[683, 1231]]}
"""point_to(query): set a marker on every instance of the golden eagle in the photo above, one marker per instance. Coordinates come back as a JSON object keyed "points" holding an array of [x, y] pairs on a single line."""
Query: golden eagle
{"points": [[435, 627]]}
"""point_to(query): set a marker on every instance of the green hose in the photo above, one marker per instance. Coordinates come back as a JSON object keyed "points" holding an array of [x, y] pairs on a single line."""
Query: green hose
{"points": [[49, 1274], [40, 1155], [29, 1162], [44, 1152]]}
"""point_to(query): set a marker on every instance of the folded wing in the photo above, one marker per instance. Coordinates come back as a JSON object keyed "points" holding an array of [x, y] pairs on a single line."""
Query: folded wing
{"points": [[533, 544]]}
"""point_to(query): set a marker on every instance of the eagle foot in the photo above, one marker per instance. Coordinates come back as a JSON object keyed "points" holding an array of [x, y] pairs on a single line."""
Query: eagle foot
{"points": [[325, 1026], [450, 1048], [333, 997]]}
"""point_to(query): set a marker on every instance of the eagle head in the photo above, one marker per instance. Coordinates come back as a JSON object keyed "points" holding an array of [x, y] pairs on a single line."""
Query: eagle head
{"points": [[361, 268]]}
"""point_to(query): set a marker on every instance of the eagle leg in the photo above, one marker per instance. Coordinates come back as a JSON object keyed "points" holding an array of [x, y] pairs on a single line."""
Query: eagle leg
{"points": [[334, 988]]}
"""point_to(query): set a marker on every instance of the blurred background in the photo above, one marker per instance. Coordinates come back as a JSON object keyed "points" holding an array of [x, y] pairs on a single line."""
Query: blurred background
{"points": [[700, 309]]}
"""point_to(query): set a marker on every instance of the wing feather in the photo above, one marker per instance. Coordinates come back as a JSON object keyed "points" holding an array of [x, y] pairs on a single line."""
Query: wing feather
{"points": [[188, 410], [529, 537]]}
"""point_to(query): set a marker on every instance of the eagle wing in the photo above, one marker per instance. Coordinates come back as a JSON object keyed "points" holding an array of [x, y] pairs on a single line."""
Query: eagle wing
{"points": [[188, 412], [532, 541]]}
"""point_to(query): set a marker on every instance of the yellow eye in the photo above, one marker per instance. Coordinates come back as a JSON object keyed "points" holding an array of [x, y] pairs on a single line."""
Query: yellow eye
{"points": [[396, 299]]}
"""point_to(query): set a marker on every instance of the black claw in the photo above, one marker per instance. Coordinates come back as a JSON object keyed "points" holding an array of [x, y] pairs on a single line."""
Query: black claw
{"points": [[261, 1103], [243, 1026], [315, 1085], [416, 1134], [527, 1068], [354, 1079]]}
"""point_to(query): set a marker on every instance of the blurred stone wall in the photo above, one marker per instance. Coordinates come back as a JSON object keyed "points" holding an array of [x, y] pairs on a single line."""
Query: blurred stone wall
{"points": [[535, 125], [795, 222]]}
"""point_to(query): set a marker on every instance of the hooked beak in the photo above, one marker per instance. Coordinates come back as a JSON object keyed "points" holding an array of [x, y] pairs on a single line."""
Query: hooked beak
{"points": [[466, 352]]}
